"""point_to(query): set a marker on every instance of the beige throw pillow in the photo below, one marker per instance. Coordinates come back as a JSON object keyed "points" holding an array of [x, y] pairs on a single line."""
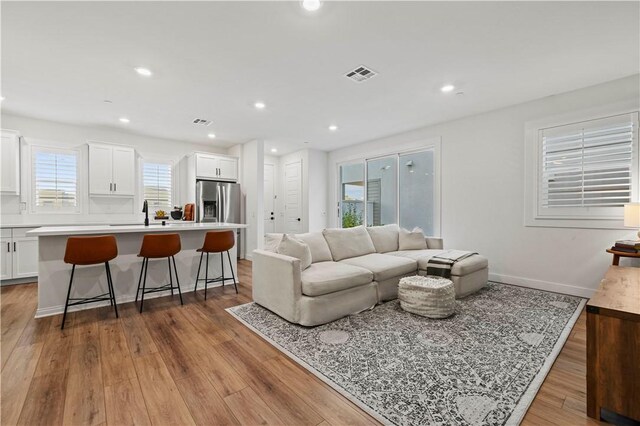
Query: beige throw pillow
{"points": [[348, 242], [412, 240], [289, 246], [271, 242]]}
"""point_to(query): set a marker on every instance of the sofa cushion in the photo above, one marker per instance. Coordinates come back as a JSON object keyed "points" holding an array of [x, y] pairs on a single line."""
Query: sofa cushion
{"points": [[411, 240], [384, 238], [328, 277], [464, 267], [383, 266], [346, 243], [271, 241], [293, 247], [416, 254], [317, 244]]}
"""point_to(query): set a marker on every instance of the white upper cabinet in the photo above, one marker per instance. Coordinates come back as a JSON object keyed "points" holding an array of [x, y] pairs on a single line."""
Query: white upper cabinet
{"points": [[112, 170], [124, 175], [228, 168], [10, 163], [206, 166], [216, 167]]}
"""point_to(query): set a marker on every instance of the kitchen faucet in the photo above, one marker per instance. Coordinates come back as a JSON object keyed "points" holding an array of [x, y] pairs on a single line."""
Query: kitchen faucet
{"points": [[145, 210]]}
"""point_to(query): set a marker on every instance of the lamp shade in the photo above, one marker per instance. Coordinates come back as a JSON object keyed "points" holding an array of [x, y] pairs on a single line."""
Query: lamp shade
{"points": [[632, 215]]}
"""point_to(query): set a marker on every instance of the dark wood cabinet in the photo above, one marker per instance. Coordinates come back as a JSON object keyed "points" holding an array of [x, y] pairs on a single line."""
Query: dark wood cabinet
{"points": [[613, 346]]}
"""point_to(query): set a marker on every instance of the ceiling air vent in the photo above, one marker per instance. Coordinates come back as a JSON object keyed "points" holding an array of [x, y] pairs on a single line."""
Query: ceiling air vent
{"points": [[201, 122], [361, 74]]}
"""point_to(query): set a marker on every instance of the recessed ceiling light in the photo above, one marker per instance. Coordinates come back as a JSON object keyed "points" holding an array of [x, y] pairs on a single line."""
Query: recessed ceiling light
{"points": [[274, 149], [124, 120], [311, 5], [143, 71], [1, 98], [333, 127], [211, 135], [447, 88], [259, 105]]}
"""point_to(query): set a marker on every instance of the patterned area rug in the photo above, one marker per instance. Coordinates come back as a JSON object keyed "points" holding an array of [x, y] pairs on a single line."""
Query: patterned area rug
{"points": [[482, 366]]}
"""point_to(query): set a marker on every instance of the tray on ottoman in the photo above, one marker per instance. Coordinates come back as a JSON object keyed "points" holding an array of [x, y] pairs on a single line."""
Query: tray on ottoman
{"points": [[432, 297]]}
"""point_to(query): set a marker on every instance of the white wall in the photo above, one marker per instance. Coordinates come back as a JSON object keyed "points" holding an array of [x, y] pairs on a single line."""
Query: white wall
{"points": [[251, 180], [65, 135], [317, 178], [482, 175]]}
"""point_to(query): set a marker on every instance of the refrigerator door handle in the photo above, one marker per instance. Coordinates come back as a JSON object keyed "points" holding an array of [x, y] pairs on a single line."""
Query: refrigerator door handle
{"points": [[199, 203]]}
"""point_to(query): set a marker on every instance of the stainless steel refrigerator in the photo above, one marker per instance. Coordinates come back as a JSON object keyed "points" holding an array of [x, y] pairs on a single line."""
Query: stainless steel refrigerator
{"points": [[219, 202]]}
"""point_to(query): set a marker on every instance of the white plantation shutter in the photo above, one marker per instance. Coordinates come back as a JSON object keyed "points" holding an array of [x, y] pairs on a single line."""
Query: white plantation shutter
{"points": [[54, 179], [157, 185], [588, 168]]}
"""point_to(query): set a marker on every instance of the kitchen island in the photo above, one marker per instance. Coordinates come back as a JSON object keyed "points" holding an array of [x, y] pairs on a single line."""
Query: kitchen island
{"points": [[53, 273]]}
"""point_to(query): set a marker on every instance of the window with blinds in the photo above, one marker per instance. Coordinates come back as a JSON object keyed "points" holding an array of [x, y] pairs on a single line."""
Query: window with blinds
{"points": [[54, 179], [588, 165], [157, 185]]}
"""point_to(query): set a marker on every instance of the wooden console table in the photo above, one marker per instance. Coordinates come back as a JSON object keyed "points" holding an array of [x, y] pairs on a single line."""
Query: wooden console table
{"points": [[613, 346], [618, 254]]}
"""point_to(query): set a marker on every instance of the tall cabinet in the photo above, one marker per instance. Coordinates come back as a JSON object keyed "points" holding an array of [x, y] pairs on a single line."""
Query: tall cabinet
{"points": [[112, 170]]}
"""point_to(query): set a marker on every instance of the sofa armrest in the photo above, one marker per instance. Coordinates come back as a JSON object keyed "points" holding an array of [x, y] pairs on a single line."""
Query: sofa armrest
{"points": [[276, 283], [434, 243]]}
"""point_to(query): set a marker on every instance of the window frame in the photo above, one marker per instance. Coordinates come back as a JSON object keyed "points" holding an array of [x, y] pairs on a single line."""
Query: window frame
{"points": [[172, 166], [433, 144], [574, 217], [77, 209]]}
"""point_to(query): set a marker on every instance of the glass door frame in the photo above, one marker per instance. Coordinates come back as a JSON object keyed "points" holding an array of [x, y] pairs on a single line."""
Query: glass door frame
{"points": [[437, 211]]}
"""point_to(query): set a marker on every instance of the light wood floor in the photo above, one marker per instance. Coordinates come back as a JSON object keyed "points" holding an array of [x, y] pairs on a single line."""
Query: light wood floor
{"points": [[192, 364]]}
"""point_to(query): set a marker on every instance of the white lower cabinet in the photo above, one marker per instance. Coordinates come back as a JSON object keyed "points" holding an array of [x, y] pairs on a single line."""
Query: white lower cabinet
{"points": [[19, 254], [6, 258]]}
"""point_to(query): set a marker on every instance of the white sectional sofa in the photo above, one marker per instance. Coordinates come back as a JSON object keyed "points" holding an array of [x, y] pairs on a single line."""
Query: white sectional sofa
{"points": [[351, 270]]}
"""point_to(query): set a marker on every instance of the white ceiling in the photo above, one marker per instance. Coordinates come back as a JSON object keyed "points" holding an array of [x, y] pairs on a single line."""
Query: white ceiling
{"points": [[213, 60]]}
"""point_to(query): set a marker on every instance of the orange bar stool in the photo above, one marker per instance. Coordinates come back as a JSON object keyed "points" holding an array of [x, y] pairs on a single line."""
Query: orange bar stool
{"points": [[216, 242], [90, 251], [157, 246]]}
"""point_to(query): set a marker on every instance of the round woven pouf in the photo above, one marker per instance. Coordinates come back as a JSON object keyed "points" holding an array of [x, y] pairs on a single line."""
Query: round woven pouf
{"points": [[431, 297]]}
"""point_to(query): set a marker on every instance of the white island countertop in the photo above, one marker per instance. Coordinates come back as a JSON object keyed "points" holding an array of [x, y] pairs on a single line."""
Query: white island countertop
{"points": [[128, 229]]}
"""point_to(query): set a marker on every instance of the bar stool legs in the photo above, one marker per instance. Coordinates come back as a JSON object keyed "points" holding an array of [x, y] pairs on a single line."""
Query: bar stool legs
{"points": [[233, 275], [109, 295], [221, 278], [143, 280]]}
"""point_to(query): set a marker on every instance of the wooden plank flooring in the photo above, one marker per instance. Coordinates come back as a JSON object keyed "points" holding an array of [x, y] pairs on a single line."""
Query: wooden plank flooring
{"points": [[193, 364]]}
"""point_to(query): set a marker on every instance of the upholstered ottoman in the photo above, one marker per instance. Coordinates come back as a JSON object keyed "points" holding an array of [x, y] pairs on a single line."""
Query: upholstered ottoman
{"points": [[468, 275], [431, 297]]}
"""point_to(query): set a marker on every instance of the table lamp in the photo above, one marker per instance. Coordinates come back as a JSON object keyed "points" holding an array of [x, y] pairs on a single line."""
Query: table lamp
{"points": [[632, 216]]}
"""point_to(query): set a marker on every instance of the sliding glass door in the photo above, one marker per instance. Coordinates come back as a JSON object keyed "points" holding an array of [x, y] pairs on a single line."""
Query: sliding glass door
{"points": [[417, 191], [400, 188], [352, 195], [382, 190]]}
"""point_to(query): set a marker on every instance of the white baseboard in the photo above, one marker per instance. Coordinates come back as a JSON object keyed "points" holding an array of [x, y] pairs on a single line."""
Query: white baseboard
{"points": [[542, 285], [55, 310], [15, 281]]}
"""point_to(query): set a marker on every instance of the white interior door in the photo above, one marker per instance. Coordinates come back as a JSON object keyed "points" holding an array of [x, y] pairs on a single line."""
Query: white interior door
{"points": [[269, 199], [293, 198]]}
